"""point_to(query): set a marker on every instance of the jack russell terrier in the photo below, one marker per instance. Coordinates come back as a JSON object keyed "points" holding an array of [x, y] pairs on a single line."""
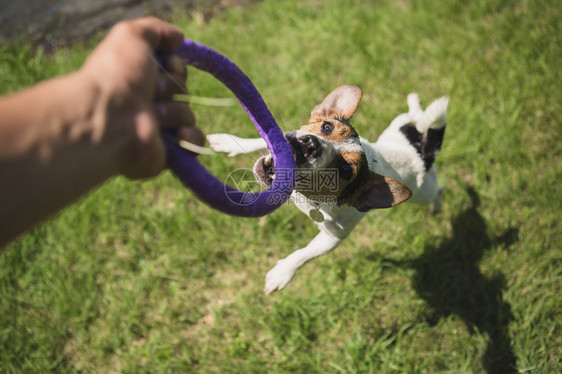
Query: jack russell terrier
{"points": [[340, 176]]}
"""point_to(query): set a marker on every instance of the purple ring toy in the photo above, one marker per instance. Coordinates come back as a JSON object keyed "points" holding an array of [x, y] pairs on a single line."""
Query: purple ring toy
{"points": [[194, 175]]}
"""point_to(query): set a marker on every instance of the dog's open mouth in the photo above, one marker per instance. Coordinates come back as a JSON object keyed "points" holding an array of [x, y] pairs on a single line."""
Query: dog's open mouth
{"points": [[298, 153], [264, 169], [305, 149], [269, 166]]}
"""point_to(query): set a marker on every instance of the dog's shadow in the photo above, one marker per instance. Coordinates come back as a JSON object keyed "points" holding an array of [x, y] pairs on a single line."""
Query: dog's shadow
{"points": [[448, 278]]}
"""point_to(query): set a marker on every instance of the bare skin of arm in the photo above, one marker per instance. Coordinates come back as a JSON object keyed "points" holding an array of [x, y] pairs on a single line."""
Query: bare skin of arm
{"points": [[62, 137]]}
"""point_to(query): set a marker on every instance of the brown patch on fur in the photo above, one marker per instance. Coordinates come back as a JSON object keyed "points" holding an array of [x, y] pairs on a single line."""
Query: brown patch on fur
{"points": [[342, 129], [355, 159]]}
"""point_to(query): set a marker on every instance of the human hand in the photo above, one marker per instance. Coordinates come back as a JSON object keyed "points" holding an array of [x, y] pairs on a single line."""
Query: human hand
{"points": [[64, 136], [135, 98]]}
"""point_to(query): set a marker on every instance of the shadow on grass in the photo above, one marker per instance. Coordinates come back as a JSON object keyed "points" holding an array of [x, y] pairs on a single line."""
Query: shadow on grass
{"points": [[447, 277]]}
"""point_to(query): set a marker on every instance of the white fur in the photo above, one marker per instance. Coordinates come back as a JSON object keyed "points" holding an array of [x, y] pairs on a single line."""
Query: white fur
{"points": [[233, 145], [391, 155], [349, 145]]}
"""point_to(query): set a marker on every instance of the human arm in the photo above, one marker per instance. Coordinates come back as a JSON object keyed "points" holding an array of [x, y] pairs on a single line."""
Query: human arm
{"points": [[62, 137]]}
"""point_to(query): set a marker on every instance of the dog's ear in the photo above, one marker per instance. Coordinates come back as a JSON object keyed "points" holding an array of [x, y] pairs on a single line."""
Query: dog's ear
{"points": [[341, 102], [378, 192], [263, 171]]}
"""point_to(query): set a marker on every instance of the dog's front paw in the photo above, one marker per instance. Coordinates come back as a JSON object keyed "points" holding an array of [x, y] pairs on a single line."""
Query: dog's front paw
{"points": [[226, 143], [278, 277]]}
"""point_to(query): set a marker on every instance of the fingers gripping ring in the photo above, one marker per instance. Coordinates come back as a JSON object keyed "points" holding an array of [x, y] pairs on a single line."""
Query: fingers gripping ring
{"points": [[205, 185]]}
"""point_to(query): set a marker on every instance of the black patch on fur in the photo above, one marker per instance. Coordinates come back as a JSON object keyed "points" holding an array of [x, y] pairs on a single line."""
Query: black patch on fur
{"points": [[414, 137], [338, 163], [432, 145], [345, 121], [342, 119], [361, 178], [428, 147]]}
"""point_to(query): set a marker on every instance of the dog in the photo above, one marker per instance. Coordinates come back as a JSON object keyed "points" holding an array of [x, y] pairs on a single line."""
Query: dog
{"points": [[341, 176]]}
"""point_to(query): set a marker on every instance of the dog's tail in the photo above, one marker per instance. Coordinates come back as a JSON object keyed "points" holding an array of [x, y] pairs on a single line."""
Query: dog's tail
{"points": [[431, 124], [434, 117]]}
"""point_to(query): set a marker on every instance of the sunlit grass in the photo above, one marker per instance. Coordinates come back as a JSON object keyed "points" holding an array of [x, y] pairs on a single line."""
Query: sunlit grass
{"points": [[143, 277]]}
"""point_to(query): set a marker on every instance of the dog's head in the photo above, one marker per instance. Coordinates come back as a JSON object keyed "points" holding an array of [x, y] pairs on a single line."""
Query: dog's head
{"points": [[331, 163]]}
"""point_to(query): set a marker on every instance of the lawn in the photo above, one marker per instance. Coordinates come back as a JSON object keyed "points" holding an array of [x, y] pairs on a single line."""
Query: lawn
{"points": [[142, 277]]}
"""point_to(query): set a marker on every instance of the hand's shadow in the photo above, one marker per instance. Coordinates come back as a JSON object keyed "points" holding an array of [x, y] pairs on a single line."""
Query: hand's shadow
{"points": [[447, 277]]}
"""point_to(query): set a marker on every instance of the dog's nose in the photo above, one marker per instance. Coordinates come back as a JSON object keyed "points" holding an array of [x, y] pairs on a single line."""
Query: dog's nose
{"points": [[310, 146], [290, 135]]}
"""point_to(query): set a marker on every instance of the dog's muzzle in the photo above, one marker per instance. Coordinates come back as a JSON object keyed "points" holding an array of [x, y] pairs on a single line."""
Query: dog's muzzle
{"points": [[305, 147]]}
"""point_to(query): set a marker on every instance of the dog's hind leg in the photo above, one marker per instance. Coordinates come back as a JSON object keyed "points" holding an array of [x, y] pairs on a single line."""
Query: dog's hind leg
{"points": [[437, 204], [433, 124]]}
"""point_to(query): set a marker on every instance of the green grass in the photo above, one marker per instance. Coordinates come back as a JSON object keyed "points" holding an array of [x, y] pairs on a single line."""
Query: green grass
{"points": [[142, 277]]}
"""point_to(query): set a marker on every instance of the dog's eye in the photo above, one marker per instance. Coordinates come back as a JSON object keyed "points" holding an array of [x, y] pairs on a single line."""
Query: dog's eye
{"points": [[346, 171], [327, 127]]}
